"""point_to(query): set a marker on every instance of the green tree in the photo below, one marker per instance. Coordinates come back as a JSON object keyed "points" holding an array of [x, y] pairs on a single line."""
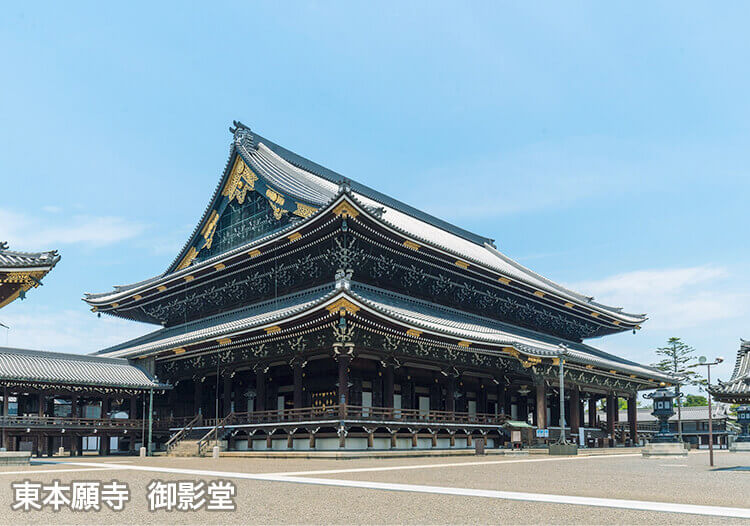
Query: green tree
{"points": [[695, 400], [678, 359]]}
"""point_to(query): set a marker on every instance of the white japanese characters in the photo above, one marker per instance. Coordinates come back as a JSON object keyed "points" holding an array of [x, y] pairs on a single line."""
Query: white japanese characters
{"points": [[217, 495], [76, 496]]}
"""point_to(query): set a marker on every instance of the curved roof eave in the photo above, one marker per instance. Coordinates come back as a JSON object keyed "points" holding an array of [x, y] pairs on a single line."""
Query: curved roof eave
{"points": [[580, 353]]}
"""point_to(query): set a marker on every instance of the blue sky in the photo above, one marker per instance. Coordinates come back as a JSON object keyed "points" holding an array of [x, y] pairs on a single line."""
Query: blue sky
{"points": [[605, 146]]}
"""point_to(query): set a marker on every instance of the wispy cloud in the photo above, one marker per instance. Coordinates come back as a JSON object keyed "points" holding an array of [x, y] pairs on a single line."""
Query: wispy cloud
{"points": [[674, 298], [32, 231]]}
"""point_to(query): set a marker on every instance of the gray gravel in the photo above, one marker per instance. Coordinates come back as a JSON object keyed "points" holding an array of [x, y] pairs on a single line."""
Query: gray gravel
{"points": [[674, 480]]}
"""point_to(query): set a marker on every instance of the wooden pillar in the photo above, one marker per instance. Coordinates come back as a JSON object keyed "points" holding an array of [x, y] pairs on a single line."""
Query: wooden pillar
{"points": [[260, 388], [388, 386], [312, 439], [611, 410], [541, 405], [297, 373], [592, 411], [452, 437], [581, 419], [133, 412], [227, 394], [343, 394], [575, 416], [40, 402], [450, 399], [500, 398], [370, 438], [50, 446], [198, 398], [5, 401], [633, 418]]}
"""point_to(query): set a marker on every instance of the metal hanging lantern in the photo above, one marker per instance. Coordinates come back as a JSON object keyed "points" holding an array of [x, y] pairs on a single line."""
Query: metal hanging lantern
{"points": [[663, 411]]}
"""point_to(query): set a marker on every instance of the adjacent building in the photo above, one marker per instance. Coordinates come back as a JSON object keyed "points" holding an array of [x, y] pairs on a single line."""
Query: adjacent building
{"points": [[737, 389], [694, 425], [56, 400]]}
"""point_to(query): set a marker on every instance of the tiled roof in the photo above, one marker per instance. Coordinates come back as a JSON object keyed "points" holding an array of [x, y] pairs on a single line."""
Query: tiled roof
{"points": [[459, 324], [693, 413], [738, 386], [24, 365], [214, 326], [10, 259], [429, 317], [315, 184]]}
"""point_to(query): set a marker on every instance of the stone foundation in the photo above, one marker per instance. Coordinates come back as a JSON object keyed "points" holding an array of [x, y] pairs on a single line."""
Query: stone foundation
{"points": [[15, 458], [664, 449], [740, 446]]}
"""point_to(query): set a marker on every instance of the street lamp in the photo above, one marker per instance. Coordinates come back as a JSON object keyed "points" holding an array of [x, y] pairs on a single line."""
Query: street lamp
{"points": [[702, 361]]}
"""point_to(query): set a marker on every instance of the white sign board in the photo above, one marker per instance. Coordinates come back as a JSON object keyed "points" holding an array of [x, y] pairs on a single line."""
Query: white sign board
{"points": [[515, 436]]}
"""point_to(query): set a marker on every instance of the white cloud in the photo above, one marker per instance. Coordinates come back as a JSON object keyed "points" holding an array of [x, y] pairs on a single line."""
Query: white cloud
{"points": [[32, 232], [69, 331], [673, 298]]}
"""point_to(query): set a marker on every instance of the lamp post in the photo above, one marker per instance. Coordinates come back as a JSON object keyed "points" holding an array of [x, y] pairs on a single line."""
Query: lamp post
{"points": [[562, 353], [702, 361]]}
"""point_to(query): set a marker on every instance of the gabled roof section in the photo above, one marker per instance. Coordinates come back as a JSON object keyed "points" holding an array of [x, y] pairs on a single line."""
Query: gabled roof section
{"points": [[21, 271], [737, 388], [296, 186], [16, 261]]}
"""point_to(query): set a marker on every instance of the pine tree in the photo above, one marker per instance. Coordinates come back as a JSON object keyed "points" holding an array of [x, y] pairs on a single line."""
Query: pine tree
{"points": [[679, 360]]}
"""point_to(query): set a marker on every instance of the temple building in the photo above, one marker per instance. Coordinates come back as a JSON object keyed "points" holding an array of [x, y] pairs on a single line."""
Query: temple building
{"points": [[694, 425], [737, 389], [52, 401], [307, 310]]}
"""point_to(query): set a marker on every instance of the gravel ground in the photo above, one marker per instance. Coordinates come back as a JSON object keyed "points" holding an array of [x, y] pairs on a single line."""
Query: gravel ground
{"points": [[674, 480]]}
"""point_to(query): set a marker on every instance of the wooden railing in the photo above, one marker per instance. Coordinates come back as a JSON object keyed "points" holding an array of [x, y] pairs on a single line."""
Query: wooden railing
{"points": [[182, 433], [34, 421], [354, 412], [214, 433]]}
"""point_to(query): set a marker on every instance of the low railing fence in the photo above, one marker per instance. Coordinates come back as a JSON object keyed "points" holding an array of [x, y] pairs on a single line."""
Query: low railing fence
{"points": [[182, 433], [356, 412], [34, 421]]}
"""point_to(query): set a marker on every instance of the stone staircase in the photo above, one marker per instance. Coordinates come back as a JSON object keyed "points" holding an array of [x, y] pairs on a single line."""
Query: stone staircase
{"points": [[185, 448]]}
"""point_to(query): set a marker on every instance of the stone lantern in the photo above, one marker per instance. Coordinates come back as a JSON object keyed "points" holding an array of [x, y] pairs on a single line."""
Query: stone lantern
{"points": [[664, 443], [663, 411], [743, 419]]}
